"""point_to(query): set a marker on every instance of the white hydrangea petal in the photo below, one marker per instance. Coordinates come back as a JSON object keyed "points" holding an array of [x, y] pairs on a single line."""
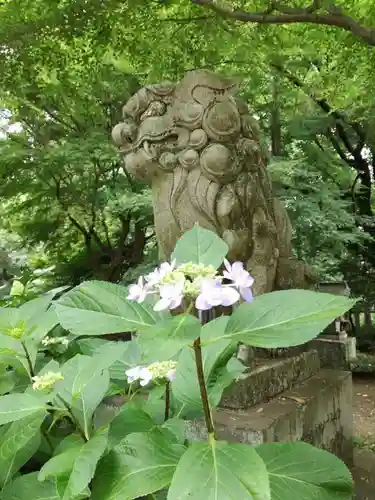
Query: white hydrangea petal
{"points": [[133, 374], [229, 296], [171, 375], [162, 304], [201, 303], [247, 294]]}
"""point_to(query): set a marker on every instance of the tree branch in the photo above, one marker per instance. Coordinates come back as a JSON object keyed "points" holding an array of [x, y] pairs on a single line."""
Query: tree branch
{"points": [[332, 16]]}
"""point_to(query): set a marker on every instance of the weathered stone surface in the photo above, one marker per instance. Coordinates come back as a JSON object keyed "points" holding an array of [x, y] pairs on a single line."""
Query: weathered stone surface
{"points": [[335, 353], [270, 378], [200, 149], [317, 411]]}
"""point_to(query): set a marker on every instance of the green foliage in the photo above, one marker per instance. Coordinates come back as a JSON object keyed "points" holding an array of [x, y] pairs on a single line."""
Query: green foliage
{"points": [[220, 470], [200, 246], [103, 309], [140, 464], [75, 467], [141, 449], [285, 318], [290, 472]]}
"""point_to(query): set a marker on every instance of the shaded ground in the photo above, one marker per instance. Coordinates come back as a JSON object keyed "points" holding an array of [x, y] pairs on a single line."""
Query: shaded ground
{"points": [[364, 430], [364, 408]]}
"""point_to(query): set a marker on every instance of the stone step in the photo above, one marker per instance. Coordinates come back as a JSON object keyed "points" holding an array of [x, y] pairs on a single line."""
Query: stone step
{"points": [[318, 411], [270, 378]]}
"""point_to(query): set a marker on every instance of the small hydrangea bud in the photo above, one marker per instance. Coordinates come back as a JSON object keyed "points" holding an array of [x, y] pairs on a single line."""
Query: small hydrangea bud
{"points": [[197, 270], [46, 381], [16, 332], [172, 277], [162, 370]]}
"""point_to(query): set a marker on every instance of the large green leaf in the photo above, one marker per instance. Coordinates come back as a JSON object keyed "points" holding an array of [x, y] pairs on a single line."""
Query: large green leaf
{"points": [[131, 355], [9, 318], [220, 471], [33, 317], [130, 419], [167, 338], [21, 438], [8, 379], [103, 358], [13, 354], [215, 355], [24, 486], [140, 465], [16, 406], [78, 463], [284, 318], [200, 246], [45, 323], [84, 386], [299, 470], [99, 308]]}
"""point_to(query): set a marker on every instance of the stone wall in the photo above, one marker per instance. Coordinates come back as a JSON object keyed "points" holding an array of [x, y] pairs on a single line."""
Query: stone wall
{"points": [[304, 402]]}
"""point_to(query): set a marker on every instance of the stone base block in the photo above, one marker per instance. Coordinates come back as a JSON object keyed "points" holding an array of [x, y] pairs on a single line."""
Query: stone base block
{"points": [[318, 411], [335, 353], [269, 379]]}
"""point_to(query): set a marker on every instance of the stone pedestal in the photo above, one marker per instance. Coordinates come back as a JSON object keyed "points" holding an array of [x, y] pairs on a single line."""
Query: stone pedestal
{"points": [[287, 400], [335, 353]]}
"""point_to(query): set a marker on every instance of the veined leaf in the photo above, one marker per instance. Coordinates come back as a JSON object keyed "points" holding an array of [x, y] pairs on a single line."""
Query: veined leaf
{"points": [[200, 246], [299, 470], [23, 486], [99, 308], [14, 444], [79, 463], [131, 355], [8, 380], [83, 388], [16, 406], [167, 338], [129, 420], [140, 465], [284, 318], [219, 470]]}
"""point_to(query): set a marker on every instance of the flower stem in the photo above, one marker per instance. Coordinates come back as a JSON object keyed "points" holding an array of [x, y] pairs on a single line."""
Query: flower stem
{"points": [[28, 359], [74, 420], [167, 401], [202, 386]]}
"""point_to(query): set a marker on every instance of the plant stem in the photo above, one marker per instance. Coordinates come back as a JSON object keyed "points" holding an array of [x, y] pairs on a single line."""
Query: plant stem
{"points": [[167, 401], [202, 386], [69, 410], [28, 359]]}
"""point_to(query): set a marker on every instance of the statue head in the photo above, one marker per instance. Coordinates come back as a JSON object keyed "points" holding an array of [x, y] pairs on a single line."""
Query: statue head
{"points": [[198, 123]]}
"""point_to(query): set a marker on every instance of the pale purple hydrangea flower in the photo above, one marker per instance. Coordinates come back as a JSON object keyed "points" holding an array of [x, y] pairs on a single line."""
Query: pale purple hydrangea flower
{"points": [[240, 277], [213, 294], [145, 374], [171, 284], [139, 373], [138, 292], [171, 296], [160, 272]]}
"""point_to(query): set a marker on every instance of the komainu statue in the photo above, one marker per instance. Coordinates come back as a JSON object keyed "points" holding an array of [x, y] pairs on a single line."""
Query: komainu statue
{"points": [[200, 149]]}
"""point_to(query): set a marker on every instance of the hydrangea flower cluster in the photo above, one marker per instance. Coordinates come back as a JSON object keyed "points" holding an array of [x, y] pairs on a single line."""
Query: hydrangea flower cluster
{"points": [[195, 282], [46, 381], [47, 341], [166, 370]]}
